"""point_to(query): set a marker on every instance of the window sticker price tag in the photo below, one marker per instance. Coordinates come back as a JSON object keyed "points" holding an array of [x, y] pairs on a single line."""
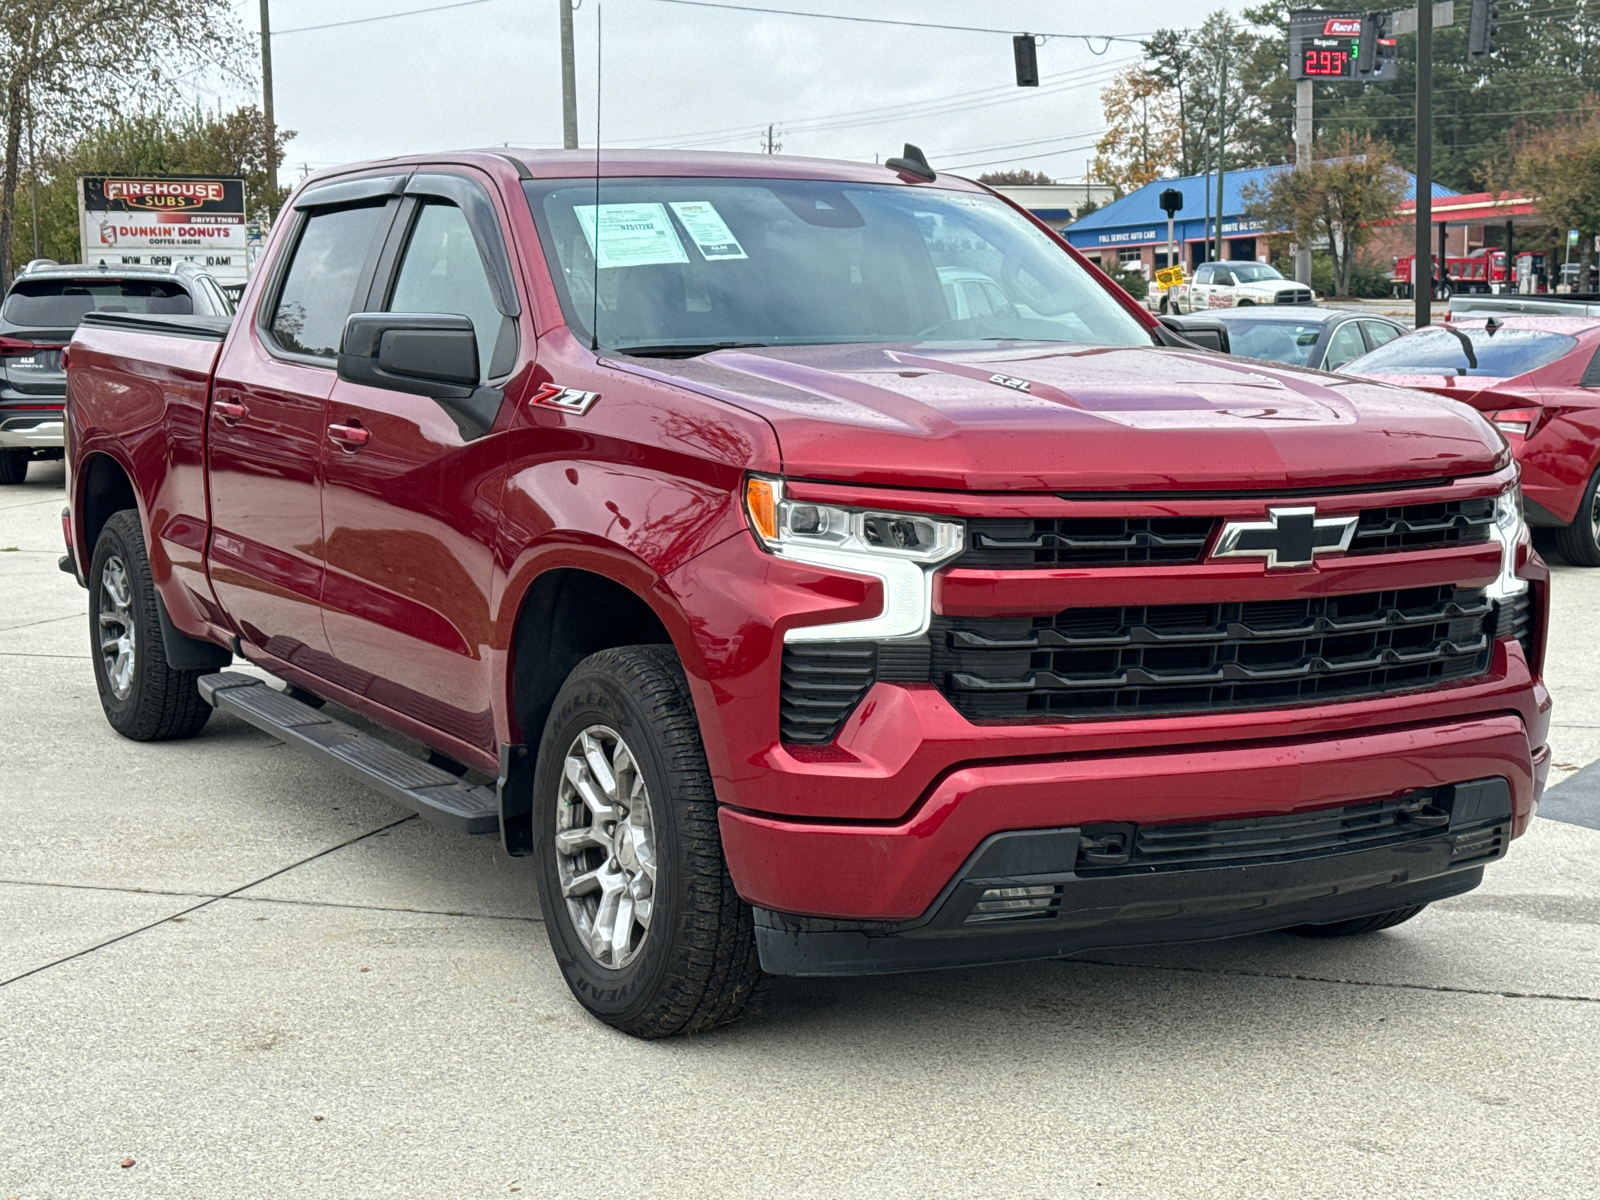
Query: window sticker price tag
{"points": [[631, 235], [709, 231]]}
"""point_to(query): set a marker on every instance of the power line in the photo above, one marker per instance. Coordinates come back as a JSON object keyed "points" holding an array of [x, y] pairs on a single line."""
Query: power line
{"points": [[1134, 38], [410, 12]]}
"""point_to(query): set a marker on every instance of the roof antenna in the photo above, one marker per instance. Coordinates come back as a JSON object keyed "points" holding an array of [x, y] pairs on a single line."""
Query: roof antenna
{"points": [[594, 318], [912, 162]]}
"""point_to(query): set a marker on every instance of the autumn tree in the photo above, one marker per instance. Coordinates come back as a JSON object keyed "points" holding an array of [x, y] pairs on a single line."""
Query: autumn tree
{"points": [[1144, 139], [1022, 178], [1561, 167], [1336, 199], [64, 61]]}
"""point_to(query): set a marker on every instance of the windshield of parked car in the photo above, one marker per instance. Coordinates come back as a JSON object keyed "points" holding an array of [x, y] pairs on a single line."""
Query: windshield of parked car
{"points": [[1252, 272], [1289, 342], [687, 265], [1438, 351], [62, 303]]}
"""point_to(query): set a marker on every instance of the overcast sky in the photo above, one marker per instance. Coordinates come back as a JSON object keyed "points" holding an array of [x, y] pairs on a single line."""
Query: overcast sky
{"points": [[488, 72]]}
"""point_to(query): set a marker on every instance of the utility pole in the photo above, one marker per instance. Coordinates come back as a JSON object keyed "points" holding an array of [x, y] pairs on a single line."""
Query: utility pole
{"points": [[569, 80], [1421, 265], [1222, 131], [1302, 162], [266, 95], [768, 145]]}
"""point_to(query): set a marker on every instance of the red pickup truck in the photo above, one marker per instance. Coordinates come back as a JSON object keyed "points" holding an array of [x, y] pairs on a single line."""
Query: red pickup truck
{"points": [[795, 619]]}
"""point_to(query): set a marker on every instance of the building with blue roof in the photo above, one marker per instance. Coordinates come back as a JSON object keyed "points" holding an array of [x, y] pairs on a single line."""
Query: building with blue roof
{"points": [[1133, 230]]}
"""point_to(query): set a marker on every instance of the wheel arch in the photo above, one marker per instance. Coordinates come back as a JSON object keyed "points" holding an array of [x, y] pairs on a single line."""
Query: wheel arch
{"points": [[102, 485]]}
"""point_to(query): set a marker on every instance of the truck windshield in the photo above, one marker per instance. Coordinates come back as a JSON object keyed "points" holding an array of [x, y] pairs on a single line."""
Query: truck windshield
{"points": [[62, 303], [1253, 272], [1436, 351], [688, 265]]}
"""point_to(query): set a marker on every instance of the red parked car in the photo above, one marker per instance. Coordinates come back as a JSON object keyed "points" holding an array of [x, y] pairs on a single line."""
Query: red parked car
{"points": [[793, 615], [1538, 379]]}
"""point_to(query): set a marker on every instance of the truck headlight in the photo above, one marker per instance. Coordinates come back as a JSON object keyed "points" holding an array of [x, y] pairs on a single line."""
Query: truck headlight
{"points": [[1507, 530], [901, 550]]}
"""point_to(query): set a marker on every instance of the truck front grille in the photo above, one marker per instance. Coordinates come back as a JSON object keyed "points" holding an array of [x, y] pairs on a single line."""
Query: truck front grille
{"points": [[1022, 542], [1294, 296], [1147, 660]]}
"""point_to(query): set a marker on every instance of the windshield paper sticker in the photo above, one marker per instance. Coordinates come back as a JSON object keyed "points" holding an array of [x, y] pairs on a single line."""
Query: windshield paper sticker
{"points": [[709, 231], [632, 235]]}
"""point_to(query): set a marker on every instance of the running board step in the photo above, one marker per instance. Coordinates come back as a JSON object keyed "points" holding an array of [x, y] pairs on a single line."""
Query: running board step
{"points": [[431, 793]]}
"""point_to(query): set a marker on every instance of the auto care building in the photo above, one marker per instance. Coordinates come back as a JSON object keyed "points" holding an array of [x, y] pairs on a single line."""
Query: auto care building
{"points": [[1133, 230]]}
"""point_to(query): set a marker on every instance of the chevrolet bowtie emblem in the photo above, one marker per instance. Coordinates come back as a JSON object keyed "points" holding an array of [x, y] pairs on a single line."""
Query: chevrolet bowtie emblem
{"points": [[1289, 537]]}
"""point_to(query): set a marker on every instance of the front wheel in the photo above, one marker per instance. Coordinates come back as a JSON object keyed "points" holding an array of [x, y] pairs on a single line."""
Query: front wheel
{"points": [[143, 697], [1359, 925], [1579, 542], [641, 912]]}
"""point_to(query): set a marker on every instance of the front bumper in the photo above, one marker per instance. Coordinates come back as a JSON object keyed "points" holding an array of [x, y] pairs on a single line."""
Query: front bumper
{"points": [[1222, 890], [31, 432], [894, 871]]}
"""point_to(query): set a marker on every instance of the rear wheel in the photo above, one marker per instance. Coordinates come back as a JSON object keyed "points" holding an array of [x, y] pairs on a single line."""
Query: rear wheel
{"points": [[1579, 542], [14, 465], [641, 912], [143, 697], [1359, 925]]}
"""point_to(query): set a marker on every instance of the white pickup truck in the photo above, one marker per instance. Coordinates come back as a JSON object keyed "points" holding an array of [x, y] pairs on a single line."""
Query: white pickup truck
{"points": [[1236, 284]]}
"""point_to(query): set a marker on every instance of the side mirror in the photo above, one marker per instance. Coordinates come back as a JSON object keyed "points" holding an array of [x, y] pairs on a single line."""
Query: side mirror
{"points": [[1195, 332], [424, 354]]}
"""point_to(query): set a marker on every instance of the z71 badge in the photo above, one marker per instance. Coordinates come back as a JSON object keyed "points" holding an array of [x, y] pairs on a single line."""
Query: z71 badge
{"points": [[1011, 381], [566, 399]]}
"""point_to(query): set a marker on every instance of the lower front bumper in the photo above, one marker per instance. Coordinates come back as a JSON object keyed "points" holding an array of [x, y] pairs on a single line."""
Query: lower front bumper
{"points": [[1021, 896]]}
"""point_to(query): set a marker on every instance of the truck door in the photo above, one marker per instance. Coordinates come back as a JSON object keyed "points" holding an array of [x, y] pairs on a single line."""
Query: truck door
{"points": [[269, 420], [409, 501]]}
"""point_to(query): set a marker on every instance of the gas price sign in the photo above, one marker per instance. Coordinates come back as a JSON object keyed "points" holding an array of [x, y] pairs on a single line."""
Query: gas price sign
{"points": [[1340, 46]]}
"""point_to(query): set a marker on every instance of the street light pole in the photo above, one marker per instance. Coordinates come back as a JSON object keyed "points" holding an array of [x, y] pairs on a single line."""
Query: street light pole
{"points": [[569, 80], [1422, 264], [266, 95]]}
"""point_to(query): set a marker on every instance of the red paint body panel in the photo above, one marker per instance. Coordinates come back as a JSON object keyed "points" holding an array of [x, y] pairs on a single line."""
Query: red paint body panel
{"points": [[390, 575]]}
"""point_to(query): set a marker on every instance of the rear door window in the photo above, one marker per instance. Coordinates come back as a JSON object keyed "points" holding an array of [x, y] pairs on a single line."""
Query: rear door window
{"points": [[63, 303], [1344, 346], [1380, 332], [319, 291]]}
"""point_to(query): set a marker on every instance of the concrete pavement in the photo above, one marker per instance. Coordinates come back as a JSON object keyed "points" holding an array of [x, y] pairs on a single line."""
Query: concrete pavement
{"points": [[253, 978]]}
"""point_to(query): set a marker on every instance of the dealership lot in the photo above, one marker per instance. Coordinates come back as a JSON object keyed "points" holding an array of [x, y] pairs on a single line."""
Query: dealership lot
{"points": [[251, 977]]}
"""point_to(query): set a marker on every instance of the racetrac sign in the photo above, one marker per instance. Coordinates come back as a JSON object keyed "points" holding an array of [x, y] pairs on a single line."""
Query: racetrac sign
{"points": [[160, 221]]}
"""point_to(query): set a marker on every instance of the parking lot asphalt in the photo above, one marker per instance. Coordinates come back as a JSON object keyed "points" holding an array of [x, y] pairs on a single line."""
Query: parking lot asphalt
{"points": [[250, 977]]}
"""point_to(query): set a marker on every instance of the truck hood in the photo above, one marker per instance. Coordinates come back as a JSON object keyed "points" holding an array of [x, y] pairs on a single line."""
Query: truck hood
{"points": [[1038, 417]]}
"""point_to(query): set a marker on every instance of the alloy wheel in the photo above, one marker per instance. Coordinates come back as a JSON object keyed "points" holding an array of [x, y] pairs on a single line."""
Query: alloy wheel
{"points": [[605, 846], [117, 632]]}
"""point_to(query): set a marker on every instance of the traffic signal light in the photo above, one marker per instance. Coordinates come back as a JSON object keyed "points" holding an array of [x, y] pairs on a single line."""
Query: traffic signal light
{"points": [[1481, 28], [1367, 45], [1027, 56]]}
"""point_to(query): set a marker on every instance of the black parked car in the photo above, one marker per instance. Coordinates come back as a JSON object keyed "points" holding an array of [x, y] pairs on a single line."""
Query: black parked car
{"points": [[1324, 338], [45, 304]]}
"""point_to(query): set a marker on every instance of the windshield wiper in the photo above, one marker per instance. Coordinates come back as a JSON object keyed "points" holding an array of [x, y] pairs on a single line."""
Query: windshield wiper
{"points": [[683, 349]]}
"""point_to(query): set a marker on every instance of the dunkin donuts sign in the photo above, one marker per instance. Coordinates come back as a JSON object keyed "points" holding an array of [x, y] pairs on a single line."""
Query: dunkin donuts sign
{"points": [[160, 221]]}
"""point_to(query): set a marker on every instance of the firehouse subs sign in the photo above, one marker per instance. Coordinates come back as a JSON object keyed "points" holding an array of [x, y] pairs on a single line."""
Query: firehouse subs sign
{"points": [[163, 220]]}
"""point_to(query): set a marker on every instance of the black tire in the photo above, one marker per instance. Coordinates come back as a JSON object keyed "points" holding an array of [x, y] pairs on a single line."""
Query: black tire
{"points": [[148, 701], [694, 965], [14, 466], [1579, 543], [1359, 925]]}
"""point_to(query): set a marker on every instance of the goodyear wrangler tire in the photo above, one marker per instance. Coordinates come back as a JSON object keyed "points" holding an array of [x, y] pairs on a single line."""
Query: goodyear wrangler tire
{"points": [[641, 912], [144, 698]]}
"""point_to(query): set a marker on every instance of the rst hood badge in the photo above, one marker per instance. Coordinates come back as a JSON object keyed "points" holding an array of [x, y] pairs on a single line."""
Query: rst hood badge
{"points": [[566, 399], [1289, 537]]}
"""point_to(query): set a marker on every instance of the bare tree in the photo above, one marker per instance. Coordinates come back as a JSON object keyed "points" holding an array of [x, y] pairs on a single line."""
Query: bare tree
{"points": [[62, 59]]}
